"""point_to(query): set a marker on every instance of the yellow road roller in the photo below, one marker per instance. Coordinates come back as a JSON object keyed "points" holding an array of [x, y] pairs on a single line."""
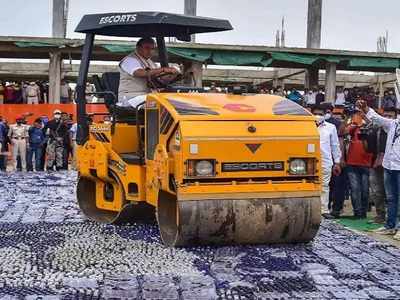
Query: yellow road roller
{"points": [[210, 168]]}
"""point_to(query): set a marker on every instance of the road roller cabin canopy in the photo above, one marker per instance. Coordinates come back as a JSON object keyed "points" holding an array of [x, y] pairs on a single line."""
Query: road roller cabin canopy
{"points": [[231, 107], [152, 24]]}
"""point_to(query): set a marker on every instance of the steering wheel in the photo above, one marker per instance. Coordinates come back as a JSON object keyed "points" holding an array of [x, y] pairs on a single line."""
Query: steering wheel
{"points": [[160, 81]]}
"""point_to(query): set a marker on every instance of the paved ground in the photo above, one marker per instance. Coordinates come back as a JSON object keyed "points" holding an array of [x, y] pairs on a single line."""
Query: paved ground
{"points": [[47, 249]]}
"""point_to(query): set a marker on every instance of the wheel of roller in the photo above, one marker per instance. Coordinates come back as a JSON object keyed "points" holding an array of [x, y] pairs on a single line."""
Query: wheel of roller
{"points": [[130, 212], [237, 221]]}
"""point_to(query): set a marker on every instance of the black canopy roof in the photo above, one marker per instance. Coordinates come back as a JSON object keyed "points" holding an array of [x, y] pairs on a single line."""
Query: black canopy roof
{"points": [[151, 24]]}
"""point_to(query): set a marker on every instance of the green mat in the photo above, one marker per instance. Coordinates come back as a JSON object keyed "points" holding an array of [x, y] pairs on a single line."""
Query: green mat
{"points": [[361, 225]]}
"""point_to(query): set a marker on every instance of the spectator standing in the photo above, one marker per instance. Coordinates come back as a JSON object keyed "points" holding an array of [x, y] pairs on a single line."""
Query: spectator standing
{"points": [[309, 98], [9, 94], [340, 98], [389, 100], [377, 175], [36, 142], [1, 93], [66, 119], [330, 156], [358, 163], [88, 90], [5, 148], [370, 98], [319, 97], [66, 92], [44, 119], [3, 135], [18, 134], [72, 133], [32, 93], [337, 185], [295, 96], [391, 165], [18, 99], [56, 131], [347, 95]]}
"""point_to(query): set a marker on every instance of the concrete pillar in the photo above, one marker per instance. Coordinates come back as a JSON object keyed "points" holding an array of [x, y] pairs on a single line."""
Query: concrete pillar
{"points": [[276, 82], [314, 18], [55, 67], [58, 26], [59, 29], [193, 73], [311, 78], [330, 82], [314, 24], [191, 10]]}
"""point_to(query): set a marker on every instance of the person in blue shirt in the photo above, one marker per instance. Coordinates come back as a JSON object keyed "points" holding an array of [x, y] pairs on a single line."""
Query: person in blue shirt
{"points": [[3, 136], [295, 96], [37, 139]]}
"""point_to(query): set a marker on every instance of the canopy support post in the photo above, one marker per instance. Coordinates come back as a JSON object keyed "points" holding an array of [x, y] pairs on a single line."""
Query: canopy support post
{"points": [[162, 51], [83, 122]]}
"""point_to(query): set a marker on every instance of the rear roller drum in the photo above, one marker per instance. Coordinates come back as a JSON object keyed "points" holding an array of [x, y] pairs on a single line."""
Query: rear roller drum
{"points": [[129, 213]]}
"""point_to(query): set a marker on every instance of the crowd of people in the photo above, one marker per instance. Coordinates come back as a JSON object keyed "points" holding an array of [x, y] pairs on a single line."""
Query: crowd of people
{"points": [[360, 160], [344, 96], [44, 145], [37, 92]]}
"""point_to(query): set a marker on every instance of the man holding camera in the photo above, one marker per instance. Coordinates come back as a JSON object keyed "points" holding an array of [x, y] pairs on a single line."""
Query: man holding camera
{"points": [[359, 162], [391, 165]]}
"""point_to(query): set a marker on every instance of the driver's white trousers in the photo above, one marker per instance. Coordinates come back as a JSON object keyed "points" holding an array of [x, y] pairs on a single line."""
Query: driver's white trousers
{"points": [[132, 102]]}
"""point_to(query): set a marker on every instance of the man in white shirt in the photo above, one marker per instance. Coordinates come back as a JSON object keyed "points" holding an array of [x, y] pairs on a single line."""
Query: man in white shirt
{"points": [[391, 165], [136, 71], [310, 97], [330, 156], [340, 98]]}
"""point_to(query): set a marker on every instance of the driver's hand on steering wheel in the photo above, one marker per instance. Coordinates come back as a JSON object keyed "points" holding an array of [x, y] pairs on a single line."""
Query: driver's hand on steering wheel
{"points": [[170, 70]]}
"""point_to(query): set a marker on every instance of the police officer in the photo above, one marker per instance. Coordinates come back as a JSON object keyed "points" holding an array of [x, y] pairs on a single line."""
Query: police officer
{"points": [[56, 131], [32, 93], [18, 135]]}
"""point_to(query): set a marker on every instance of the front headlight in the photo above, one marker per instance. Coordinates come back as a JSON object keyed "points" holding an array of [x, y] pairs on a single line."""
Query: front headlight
{"points": [[200, 168], [298, 167], [204, 168]]}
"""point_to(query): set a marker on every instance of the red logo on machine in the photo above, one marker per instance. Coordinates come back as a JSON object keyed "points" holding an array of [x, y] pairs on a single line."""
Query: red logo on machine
{"points": [[253, 147], [238, 107]]}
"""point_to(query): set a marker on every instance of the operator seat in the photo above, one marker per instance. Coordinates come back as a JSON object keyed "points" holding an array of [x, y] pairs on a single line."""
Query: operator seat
{"points": [[110, 83]]}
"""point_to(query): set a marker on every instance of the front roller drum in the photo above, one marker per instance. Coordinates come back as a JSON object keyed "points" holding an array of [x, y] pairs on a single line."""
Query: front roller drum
{"points": [[238, 221]]}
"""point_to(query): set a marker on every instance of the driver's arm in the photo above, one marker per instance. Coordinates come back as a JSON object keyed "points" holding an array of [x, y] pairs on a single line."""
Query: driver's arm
{"points": [[153, 72]]}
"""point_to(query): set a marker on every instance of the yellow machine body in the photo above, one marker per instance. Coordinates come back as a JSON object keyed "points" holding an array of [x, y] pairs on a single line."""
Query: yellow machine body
{"points": [[247, 190]]}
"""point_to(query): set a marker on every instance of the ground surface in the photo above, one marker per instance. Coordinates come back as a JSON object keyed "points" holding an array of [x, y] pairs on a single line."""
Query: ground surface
{"points": [[48, 249]]}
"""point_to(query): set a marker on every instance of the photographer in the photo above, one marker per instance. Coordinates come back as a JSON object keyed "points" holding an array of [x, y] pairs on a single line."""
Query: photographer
{"points": [[391, 165], [359, 162]]}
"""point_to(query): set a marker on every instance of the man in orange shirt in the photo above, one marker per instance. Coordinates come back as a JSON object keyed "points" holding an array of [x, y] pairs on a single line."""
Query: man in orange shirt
{"points": [[358, 162]]}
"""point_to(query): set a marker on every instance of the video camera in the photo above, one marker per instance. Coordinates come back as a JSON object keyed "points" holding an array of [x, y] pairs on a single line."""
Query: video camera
{"points": [[365, 131], [350, 108]]}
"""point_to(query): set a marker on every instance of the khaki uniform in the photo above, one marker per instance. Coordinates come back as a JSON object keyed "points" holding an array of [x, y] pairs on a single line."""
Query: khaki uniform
{"points": [[32, 94], [1, 94], [18, 135]]}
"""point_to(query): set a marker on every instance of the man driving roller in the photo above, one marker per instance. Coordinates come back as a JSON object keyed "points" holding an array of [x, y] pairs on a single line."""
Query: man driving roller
{"points": [[136, 71]]}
